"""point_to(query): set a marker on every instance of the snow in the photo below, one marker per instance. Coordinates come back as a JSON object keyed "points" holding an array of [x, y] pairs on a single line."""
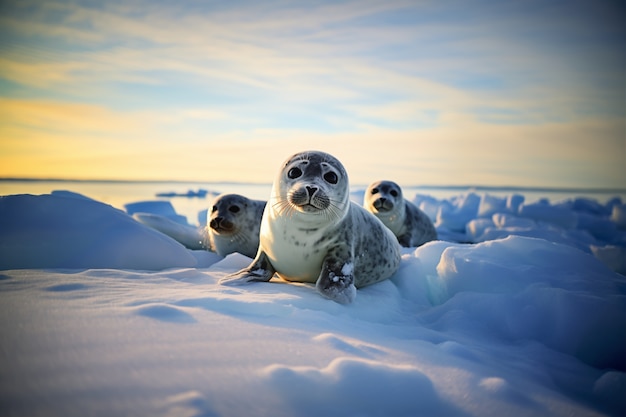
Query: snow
{"points": [[519, 311]]}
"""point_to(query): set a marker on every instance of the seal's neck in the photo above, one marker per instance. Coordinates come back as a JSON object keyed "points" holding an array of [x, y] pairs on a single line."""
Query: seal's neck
{"points": [[394, 219]]}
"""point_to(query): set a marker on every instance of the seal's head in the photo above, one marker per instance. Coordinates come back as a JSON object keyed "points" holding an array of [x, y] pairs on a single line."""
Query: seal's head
{"points": [[311, 184], [383, 196], [225, 214]]}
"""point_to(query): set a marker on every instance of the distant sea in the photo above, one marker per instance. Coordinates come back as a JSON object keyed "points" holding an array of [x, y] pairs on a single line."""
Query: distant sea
{"points": [[119, 193]]}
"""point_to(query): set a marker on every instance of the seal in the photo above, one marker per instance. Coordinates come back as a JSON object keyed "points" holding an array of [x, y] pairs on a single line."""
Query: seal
{"points": [[411, 225], [233, 225], [312, 232]]}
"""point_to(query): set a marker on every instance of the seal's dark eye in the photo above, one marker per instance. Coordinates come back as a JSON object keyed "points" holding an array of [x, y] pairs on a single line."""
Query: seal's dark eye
{"points": [[331, 177], [234, 209], [374, 190], [393, 193], [294, 173], [213, 209]]}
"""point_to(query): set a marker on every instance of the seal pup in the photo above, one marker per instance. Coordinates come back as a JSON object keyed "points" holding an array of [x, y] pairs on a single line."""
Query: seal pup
{"points": [[411, 225], [312, 232], [233, 224]]}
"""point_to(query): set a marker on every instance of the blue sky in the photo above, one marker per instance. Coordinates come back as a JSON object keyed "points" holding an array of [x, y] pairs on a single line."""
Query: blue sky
{"points": [[527, 93]]}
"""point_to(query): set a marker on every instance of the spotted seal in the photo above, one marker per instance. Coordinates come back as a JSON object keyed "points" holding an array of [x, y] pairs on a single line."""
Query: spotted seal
{"points": [[411, 225], [312, 232], [233, 224]]}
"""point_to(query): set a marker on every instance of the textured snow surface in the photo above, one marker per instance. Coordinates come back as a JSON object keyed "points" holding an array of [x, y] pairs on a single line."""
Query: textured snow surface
{"points": [[102, 316]]}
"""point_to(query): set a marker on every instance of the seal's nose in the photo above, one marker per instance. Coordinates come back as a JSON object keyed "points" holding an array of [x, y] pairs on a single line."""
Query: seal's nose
{"points": [[215, 223], [311, 191]]}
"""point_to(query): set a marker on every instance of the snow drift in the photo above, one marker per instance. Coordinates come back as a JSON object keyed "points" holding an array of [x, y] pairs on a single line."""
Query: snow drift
{"points": [[519, 312]]}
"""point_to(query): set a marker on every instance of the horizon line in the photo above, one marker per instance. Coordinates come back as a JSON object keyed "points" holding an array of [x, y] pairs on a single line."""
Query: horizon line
{"points": [[424, 186]]}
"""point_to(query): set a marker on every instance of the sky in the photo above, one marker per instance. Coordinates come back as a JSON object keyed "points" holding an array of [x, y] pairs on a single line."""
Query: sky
{"points": [[521, 93]]}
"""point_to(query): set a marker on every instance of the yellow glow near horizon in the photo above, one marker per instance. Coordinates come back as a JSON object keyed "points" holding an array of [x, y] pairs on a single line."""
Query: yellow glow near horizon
{"points": [[58, 140]]}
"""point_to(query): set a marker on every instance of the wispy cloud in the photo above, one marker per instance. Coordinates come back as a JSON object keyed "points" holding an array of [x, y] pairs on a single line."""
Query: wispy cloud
{"points": [[427, 76]]}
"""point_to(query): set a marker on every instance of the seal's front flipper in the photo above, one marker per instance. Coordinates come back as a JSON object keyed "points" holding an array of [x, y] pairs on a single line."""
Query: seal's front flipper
{"points": [[259, 270], [336, 281]]}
